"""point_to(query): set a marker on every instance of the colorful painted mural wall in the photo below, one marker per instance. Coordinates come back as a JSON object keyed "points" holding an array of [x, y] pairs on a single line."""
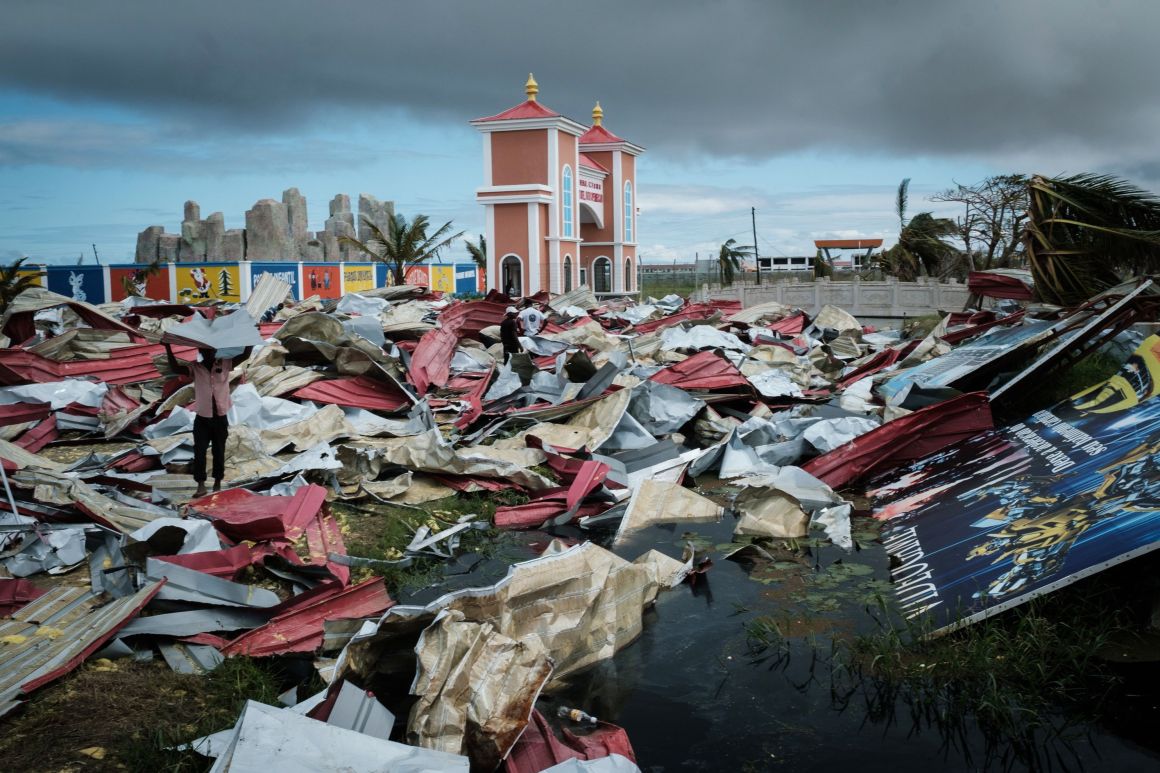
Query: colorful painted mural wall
{"points": [[232, 282]]}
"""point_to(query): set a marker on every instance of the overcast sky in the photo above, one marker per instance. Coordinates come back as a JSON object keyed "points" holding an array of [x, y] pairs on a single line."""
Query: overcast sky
{"points": [[112, 114]]}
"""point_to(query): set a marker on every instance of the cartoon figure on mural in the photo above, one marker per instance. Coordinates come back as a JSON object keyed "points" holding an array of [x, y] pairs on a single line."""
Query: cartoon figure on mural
{"points": [[1134, 383], [200, 282], [313, 280], [326, 280], [1036, 547], [76, 282], [1133, 482]]}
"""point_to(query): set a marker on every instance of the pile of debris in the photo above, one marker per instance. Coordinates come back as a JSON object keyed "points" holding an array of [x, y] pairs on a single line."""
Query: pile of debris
{"points": [[401, 396]]}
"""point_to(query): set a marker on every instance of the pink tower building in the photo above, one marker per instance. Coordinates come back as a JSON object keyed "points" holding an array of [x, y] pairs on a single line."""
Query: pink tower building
{"points": [[560, 201]]}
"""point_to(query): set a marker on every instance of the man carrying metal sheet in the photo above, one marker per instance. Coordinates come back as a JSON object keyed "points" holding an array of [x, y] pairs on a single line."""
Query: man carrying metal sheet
{"points": [[211, 403]]}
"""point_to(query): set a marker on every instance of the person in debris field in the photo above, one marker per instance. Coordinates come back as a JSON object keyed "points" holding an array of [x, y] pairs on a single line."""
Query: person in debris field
{"points": [[211, 403], [509, 334], [531, 319]]}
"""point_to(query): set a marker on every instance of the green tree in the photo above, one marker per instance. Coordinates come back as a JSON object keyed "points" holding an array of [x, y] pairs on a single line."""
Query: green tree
{"points": [[729, 260], [12, 283], [1088, 232], [478, 252], [403, 244], [921, 248]]}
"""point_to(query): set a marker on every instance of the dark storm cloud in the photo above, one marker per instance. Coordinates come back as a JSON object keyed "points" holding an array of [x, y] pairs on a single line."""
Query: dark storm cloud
{"points": [[748, 77]]}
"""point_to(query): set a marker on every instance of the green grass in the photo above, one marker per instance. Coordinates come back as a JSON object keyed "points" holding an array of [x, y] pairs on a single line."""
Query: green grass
{"points": [[382, 532]]}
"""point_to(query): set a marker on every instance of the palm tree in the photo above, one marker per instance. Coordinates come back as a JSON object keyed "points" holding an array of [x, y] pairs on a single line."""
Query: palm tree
{"points": [[729, 260], [12, 283], [1087, 232], [920, 249], [403, 244], [478, 252]]}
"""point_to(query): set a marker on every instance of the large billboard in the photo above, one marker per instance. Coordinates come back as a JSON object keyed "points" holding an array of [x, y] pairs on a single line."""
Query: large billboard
{"points": [[1017, 512], [81, 283], [199, 282]]}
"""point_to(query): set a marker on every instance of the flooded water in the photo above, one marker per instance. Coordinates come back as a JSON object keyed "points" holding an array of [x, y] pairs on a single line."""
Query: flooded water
{"points": [[695, 696]]}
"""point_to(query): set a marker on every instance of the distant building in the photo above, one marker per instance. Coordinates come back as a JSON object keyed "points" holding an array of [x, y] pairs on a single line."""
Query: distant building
{"points": [[560, 201], [849, 261]]}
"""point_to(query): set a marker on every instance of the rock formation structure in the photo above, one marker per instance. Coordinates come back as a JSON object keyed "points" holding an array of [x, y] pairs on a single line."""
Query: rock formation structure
{"points": [[275, 231]]}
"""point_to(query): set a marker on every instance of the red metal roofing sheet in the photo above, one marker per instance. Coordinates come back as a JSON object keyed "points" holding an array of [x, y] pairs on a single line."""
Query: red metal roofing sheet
{"points": [[538, 747], [244, 515], [703, 370], [955, 336], [20, 413], [905, 439], [39, 436], [529, 109], [357, 392], [999, 286], [15, 593], [692, 311], [297, 624], [126, 365], [226, 563]]}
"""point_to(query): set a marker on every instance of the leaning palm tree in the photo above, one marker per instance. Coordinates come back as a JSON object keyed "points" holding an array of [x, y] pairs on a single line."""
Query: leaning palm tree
{"points": [[12, 283], [478, 252], [1087, 232], [729, 260], [921, 248], [403, 244]]}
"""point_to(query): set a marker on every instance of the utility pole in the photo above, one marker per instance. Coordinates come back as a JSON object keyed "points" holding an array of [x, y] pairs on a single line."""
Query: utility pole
{"points": [[756, 259], [96, 257]]}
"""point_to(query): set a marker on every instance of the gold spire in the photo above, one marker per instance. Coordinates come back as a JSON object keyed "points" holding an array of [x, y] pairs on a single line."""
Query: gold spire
{"points": [[597, 114], [531, 88]]}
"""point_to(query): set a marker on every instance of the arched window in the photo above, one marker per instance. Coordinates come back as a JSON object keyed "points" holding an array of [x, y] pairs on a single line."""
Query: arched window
{"points": [[628, 275], [602, 275], [567, 197], [567, 273], [628, 210], [512, 276]]}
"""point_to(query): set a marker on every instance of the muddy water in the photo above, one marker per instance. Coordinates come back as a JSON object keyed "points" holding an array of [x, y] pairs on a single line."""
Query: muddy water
{"points": [[694, 695]]}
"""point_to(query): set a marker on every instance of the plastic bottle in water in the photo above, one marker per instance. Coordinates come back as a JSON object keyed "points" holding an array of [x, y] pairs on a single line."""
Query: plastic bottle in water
{"points": [[576, 715]]}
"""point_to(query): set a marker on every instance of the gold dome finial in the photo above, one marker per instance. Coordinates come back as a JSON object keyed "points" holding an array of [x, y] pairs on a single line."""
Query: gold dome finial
{"points": [[531, 88], [597, 114]]}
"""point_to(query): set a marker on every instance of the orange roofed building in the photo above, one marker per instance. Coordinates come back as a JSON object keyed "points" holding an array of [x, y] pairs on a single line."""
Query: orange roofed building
{"points": [[560, 201]]}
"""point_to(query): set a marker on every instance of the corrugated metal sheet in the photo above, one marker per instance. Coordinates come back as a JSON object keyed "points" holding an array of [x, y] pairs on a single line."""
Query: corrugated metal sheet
{"points": [[431, 360], [15, 593], [956, 336], [125, 365], [703, 370], [1014, 284], [299, 627], [474, 400], [20, 413], [51, 636], [905, 439], [243, 515], [270, 291], [357, 392]]}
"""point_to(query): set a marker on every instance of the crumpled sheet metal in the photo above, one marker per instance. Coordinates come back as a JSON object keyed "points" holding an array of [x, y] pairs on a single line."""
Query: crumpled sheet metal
{"points": [[297, 625], [751, 315], [224, 331], [698, 337], [52, 635], [828, 434], [767, 513], [703, 370], [834, 318], [905, 439], [266, 738], [57, 489], [269, 292], [605, 748], [579, 606], [476, 687], [660, 502], [357, 392]]}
